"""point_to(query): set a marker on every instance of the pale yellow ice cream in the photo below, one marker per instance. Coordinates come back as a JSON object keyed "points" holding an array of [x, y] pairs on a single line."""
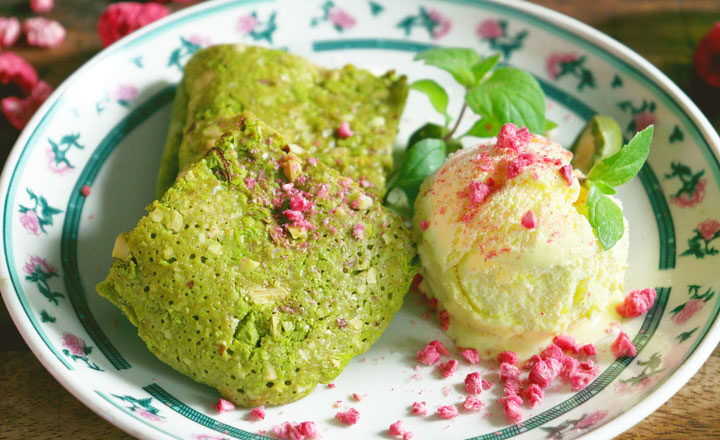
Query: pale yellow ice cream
{"points": [[505, 250]]}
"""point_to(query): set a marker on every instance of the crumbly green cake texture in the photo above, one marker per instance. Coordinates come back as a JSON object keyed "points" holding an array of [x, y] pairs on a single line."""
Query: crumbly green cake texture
{"points": [[304, 102], [261, 272]]}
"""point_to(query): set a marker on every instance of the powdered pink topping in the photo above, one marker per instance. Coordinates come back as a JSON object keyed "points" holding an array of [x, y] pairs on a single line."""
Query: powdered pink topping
{"points": [[85, 190], [419, 408], [512, 406], [344, 131], [359, 231], [323, 191], [428, 355], [424, 225], [508, 371], [9, 31], [566, 172], [473, 383], [292, 431], [542, 374], [533, 394], [567, 343], [472, 403], [299, 203], [250, 182], [440, 347], [298, 219], [448, 368], [258, 413], [349, 417], [42, 32], [223, 405], [512, 138], [529, 221], [448, 411], [312, 161], [517, 165], [40, 6], [477, 192], [471, 355], [509, 357], [637, 303], [589, 350], [623, 346]]}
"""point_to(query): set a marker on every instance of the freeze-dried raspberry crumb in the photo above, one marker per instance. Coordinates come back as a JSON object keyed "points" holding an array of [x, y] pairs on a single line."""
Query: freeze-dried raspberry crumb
{"points": [[448, 368], [9, 31], [589, 367], [292, 431], [358, 397], [396, 429], [120, 19], [349, 417], [41, 32], [534, 359], [529, 221], [448, 411], [299, 203], [509, 357], [485, 384], [85, 190], [344, 130], [40, 6], [419, 408], [567, 343], [473, 383], [533, 394], [428, 355], [472, 403], [478, 192], [508, 371], [552, 351], [517, 165], [623, 346], [223, 405], [580, 380], [19, 111], [637, 302], [15, 70], [471, 355], [308, 429], [512, 407], [258, 413], [331, 385], [542, 374], [512, 138], [440, 347], [444, 318], [512, 387], [566, 172], [424, 225], [589, 349], [359, 231], [569, 366]]}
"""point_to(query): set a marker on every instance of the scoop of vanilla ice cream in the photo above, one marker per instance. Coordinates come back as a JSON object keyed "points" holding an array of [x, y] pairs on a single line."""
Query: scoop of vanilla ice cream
{"points": [[505, 248]]}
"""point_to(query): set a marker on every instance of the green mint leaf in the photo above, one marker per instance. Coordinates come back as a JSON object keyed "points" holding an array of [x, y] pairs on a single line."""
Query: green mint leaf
{"points": [[457, 61], [605, 217], [437, 95], [626, 163], [481, 69], [603, 187], [509, 95], [421, 160], [549, 125], [483, 128], [428, 131]]}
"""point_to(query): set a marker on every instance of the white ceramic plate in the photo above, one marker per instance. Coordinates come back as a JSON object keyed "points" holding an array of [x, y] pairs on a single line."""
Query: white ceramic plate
{"points": [[105, 128]]}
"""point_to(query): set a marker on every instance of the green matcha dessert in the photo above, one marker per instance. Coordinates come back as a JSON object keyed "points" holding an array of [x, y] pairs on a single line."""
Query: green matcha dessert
{"points": [[261, 271], [347, 118]]}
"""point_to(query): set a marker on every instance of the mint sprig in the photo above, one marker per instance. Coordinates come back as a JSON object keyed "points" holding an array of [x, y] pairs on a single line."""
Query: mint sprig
{"points": [[604, 215]]}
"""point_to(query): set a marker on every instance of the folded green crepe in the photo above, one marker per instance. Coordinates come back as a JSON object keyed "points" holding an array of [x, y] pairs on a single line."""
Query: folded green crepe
{"points": [[304, 102], [260, 272]]}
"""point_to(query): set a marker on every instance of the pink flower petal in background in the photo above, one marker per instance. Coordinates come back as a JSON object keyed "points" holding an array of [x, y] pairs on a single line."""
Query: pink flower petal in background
{"points": [[554, 62], [34, 261], [9, 31], [41, 32], [15, 70], [40, 6], [30, 223], [73, 344], [19, 111], [246, 24], [708, 229], [341, 19]]}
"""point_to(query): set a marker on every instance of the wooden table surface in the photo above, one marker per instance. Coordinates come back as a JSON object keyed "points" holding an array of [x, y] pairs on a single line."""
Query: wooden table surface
{"points": [[34, 405]]}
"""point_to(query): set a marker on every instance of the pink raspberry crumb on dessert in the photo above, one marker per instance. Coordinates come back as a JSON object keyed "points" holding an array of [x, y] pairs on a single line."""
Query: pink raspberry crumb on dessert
{"points": [[448, 368], [349, 417], [440, 347], [533, 394], [223, 405], [552, 351], [424, 225], [512, 407], [566, 172], [623, 346], [397, 431], [9, 31], [292, 431], [509, 357], [344, 130], [471, 355], [40, 6], [331, 385], [529, 221], [472, 403], [534, 359], [419, 408], [473, 383], [508, 371], [41, 32], [448, 411], [359, 231], [566, 343], [512, 138], [477, 192], [542, 374], [258, 413], [589, 350], [637, 302], [358, 397], [569, 367], [428, 355], [85, 190]]}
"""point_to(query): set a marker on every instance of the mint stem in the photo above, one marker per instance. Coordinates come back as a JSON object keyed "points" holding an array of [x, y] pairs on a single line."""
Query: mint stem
{"points": [[457, 123]]}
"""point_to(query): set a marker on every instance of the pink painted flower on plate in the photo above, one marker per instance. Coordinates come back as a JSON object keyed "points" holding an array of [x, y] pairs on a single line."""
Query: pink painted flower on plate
{"points": [[200, 40], [147, 415], [443, 23], [246, 24], [30, 222], [591, 419], [53, 166], [691, 308], [489, 29], [644, 119], [74, 344], [125, 93], [34, 261], [554, 63], [686, 201], [708, 229], [341, 19], [208, 437]]}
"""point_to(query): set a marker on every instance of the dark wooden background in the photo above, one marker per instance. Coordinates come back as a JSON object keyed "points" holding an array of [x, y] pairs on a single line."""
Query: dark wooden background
{"points": [[33, 405]]}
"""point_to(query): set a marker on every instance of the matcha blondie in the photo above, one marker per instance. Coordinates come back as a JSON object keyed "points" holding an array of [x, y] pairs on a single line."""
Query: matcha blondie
{"points": [[261, 271], [307, 104]]}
